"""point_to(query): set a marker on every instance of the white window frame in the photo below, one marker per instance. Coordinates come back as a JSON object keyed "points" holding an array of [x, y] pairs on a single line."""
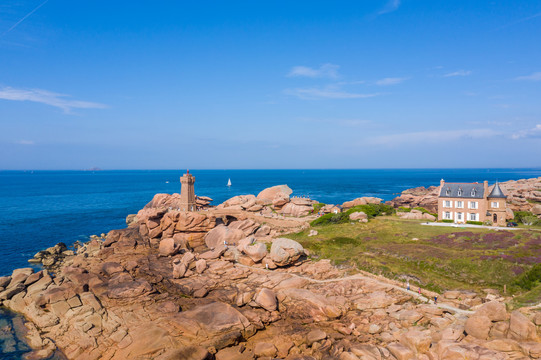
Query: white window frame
{"points": [[447, 203], [472, 205], [448, 215], [459, 216], [459, 204], [474, 217], [495, 204]]}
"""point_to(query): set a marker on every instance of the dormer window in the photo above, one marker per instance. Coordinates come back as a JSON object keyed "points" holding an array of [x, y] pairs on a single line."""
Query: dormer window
{"points": [[448, 191], [459, 191], [473, 192]]}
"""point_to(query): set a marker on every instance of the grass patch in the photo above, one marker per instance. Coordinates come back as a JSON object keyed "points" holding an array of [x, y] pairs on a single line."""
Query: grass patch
{"points": [[442, 258]]}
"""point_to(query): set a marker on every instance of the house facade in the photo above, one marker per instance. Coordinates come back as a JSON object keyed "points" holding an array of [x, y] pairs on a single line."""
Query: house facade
{"points": [[463, 202]]}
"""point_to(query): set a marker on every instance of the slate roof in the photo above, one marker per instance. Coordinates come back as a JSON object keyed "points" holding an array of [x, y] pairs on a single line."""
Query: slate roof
{"points": [[497, 192], [451, 190]]}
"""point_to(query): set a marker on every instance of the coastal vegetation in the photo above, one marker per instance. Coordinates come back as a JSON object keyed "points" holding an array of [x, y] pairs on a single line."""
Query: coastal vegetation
{"points": [[371, 210], [435, 258]]}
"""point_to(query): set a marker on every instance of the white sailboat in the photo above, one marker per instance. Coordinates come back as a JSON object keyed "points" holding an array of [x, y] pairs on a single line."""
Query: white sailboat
{"points": [[229, 182]]}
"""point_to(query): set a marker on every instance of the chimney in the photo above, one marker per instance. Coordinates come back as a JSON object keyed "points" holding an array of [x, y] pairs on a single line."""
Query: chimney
{"points": [[485, 186], [442, 182]]}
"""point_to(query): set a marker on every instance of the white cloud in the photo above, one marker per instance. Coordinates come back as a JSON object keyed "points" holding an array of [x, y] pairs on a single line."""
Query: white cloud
{"points": [[25, 142], [47, 97], [325, 93], [390, 81], [531, 133], [536, 76], [324, 71], [458, 73], [391, 6], [431, 136]]}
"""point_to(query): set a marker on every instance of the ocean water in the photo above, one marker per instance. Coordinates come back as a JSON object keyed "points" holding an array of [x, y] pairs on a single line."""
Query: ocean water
{"points": [[41, 208]]}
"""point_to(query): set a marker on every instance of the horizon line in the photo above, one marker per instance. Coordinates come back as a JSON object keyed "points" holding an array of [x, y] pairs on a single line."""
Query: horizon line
{"points": [[285, 169]]}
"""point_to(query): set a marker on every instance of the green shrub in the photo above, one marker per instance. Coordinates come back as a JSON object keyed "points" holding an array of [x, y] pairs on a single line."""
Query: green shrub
{"points": [[331, 218], [474, 222], [425, 211], [520, 215], [371, 210], [317, 207], [529, 279], [530, 220], [403, 209], [447, 221]]}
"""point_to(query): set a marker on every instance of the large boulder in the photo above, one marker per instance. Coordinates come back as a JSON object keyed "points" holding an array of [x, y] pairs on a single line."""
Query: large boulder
{"points": [[285, 251], [241, 201], [304, 304], [168, 247], [278, 191], [247, 226], [494, 310], [478, 326], [521, 328], [221, 234], [255, 251], [358, 215], [417, 340], [291, 209], [216, 324], [164, 201], [266, 299], [361, 201]]}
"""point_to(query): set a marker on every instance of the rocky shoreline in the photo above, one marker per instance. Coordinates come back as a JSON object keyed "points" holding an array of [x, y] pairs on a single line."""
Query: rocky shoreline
{"points": [[223, 284]]}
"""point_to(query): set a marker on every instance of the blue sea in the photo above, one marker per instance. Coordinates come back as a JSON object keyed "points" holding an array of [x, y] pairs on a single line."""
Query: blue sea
{"points": [[41, 208]]}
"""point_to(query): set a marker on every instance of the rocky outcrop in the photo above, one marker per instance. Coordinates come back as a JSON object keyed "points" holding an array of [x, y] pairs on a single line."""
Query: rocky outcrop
{"points": [[359, 215], [190, 227], [268, 195], [285, 251], [222, 234], [172, 202], [131, 295], [291, 209], [418, 197], [522, 195], [361, 201]]}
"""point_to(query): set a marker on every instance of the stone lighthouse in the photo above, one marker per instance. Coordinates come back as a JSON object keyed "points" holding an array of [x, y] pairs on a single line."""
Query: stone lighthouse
{"points": [[187, 194]]}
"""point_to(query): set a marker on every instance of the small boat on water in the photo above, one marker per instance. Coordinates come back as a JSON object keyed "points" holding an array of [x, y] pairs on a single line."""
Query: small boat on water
{"points": [[229, 182]]}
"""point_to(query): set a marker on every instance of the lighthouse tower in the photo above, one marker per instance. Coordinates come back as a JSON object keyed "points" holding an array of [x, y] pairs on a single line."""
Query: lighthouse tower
{"points": [[187, 193]]}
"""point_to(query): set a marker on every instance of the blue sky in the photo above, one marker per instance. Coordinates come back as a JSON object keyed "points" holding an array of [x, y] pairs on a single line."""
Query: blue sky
{"points": [[281, 84]]}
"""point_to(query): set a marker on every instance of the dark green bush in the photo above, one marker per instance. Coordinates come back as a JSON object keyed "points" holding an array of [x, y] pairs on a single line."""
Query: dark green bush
{"points": [[521, 215], [529, 279], [447, 221], [474, 222]]}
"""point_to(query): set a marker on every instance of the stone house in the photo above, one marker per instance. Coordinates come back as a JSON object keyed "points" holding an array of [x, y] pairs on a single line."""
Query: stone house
{"points": [[463, 202]]}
